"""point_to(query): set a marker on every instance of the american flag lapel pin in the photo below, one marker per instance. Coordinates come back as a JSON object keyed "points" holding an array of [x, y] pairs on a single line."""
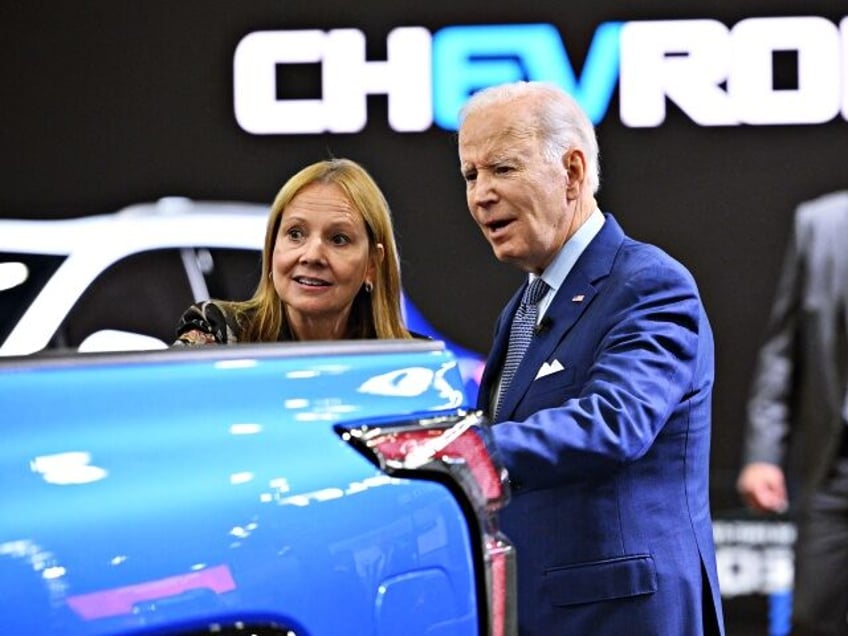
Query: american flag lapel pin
{"points": [[578, 298]]}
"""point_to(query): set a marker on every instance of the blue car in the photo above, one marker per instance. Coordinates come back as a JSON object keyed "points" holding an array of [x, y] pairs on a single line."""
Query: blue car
{"points": [[301, 489]]}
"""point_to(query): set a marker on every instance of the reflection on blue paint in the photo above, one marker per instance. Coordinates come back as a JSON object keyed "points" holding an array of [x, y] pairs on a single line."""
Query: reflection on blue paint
{"points": [[470, 362]]}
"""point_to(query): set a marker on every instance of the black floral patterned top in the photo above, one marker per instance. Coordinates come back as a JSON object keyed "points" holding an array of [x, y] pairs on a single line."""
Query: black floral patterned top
{"points": [[207, 322], [213, 322]]}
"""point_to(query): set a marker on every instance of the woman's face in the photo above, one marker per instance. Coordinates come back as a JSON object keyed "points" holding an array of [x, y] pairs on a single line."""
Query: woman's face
{"points": [[321, 258]]}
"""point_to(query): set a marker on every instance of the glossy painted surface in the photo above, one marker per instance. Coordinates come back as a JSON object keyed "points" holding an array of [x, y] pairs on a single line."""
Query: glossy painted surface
{"points": [[157, 488]]}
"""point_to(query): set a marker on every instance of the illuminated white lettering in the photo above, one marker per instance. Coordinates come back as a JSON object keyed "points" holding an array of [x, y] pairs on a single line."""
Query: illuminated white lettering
{"points": [[754, 557], [763, 71], [346, 81], [843, 29], [720, 77], [815, 42], [257, 108], [682, 60]]}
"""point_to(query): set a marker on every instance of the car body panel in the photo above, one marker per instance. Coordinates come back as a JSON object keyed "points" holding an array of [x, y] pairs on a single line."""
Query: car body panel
{"points": [[153, 489]]}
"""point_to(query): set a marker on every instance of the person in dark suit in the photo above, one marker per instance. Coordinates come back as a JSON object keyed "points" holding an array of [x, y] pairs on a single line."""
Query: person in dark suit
{"points": [[798, 410], [605, 424]]}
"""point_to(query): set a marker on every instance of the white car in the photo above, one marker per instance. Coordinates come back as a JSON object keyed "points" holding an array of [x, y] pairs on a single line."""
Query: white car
{"points": [[120, 281]]}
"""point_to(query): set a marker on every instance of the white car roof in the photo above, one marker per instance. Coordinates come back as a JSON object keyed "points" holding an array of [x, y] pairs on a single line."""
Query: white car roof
{"points": [[169, 222], [93, 243]]}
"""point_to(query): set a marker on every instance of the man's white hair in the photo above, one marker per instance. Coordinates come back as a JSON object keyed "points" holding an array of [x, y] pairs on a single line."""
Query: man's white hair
{"points": [[558, 120]]}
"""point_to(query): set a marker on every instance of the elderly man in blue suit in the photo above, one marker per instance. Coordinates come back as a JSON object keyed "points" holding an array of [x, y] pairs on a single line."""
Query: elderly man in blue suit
{"points": [[599, 384]]}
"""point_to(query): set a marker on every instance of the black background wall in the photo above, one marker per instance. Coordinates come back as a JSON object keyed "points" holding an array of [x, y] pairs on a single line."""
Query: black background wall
{"points": [[108, 103]]}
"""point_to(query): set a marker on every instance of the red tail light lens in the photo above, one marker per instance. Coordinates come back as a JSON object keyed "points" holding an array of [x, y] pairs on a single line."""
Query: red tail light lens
{"points": [[456, 445]]}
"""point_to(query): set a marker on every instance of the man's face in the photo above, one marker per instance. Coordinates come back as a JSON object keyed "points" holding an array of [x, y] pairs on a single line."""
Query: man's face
{"points": [[516, 195]]}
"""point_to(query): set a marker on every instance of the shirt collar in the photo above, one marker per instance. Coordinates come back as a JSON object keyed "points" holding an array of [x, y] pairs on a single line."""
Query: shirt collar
{"points": [[567, 256]]}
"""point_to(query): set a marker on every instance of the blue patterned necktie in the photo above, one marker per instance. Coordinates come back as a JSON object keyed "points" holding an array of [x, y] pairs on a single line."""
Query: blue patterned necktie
{"points": [[523, 324]]}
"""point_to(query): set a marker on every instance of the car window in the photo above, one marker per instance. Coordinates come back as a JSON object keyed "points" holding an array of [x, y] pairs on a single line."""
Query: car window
{"points": [[22, 276], [231, 274], [144, 293]]}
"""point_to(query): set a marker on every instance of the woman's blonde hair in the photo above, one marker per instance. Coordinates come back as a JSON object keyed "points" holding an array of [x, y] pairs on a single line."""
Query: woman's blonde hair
{"points": [[373, 315]]}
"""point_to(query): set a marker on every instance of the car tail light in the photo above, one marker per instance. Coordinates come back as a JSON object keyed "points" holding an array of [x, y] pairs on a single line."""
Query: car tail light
{"points": [[459, 446]]}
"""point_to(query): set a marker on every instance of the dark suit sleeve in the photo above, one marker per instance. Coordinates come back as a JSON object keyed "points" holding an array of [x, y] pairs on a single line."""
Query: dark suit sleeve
{"points": [[643, 355], [770, 401]]}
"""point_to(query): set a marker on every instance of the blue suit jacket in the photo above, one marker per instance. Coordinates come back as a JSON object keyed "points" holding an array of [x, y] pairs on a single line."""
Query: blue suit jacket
{"points": [[609, 456]]}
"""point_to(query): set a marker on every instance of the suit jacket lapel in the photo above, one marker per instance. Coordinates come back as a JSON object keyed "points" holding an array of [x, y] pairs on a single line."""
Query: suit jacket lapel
{"points": [[571, 301]]}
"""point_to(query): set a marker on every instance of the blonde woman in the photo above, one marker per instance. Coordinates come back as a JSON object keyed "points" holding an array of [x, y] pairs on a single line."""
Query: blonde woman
{"points": [[329, 267]]}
